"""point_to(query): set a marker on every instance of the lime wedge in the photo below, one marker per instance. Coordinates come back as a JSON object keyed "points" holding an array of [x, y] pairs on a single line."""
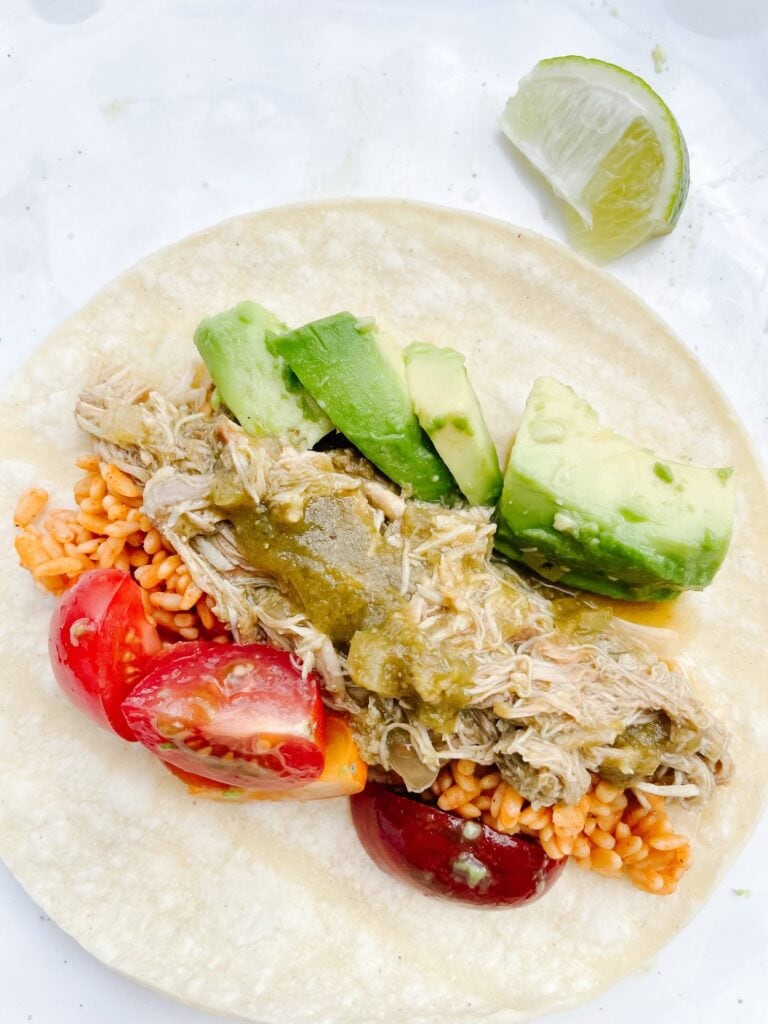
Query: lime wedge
{"points": [[607, 145]]}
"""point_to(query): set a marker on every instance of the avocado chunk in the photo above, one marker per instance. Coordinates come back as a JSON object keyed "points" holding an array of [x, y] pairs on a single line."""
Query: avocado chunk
{"points": [[253, 382], [359, 380], [448, 410], [587, 508]]}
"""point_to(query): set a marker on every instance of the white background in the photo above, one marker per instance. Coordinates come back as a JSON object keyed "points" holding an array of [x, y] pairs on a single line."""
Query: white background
{"points": [[127, 125]]}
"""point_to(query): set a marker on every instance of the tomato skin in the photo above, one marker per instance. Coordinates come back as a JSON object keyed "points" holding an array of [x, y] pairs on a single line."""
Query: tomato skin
{"points": [[238, 714], [444, 855], [344, 774], [98, 621]]}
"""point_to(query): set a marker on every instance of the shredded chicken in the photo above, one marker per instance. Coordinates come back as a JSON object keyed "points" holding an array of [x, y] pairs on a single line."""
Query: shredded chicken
{"points": [[550, 698]]}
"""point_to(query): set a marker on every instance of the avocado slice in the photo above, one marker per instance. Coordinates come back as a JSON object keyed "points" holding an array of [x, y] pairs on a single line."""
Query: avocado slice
{"points": [[359, 380], [590, 509], [448, 410], [253, 382]]}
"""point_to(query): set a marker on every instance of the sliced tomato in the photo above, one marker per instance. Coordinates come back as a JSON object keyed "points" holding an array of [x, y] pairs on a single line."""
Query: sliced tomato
{"points": [[238, 714], [344, 774], [100, 643], [444, 855]]}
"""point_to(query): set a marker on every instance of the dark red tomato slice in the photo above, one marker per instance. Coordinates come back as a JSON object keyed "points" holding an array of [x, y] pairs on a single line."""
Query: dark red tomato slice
{"points": [[99, 644], [444, 855], [238, 714]]}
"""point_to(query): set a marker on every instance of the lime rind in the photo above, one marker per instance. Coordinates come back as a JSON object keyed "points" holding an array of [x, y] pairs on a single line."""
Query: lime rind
{"points": [[562, 91], [674, 187]]}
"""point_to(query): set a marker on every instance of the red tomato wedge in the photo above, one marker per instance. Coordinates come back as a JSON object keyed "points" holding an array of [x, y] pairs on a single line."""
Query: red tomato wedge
{"points": [[344, 774], [444, 855], [238, 714], [100, 642]]}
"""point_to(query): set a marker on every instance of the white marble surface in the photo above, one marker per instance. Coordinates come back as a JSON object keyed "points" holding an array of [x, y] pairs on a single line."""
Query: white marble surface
{"points": [[128, 125]]}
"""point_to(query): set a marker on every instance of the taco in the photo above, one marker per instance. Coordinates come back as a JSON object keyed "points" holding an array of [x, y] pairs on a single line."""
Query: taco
{"points": [[273, 911]]}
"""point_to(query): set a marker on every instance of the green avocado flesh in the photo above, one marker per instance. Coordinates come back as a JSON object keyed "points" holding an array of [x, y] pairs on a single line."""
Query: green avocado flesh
{"points": [[359, 381], [587, 508], [448, 410], [253, 382]]}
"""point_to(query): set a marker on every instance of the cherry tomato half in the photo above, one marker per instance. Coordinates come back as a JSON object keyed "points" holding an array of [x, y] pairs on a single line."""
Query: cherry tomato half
{"points": [[343, 775], [444, 855], [99, 644], [238, 714]]}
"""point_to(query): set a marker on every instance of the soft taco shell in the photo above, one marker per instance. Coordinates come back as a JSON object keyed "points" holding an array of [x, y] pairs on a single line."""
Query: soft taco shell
{"points": [[274, 912]]}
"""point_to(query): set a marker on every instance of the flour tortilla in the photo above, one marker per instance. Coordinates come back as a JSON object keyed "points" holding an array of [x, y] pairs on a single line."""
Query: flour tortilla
{"points": [[275, 913]]}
